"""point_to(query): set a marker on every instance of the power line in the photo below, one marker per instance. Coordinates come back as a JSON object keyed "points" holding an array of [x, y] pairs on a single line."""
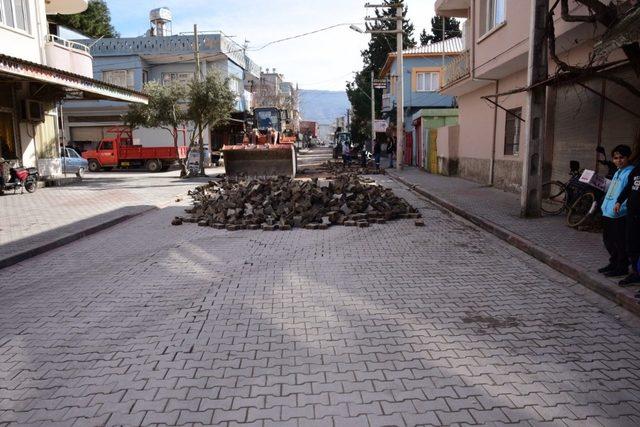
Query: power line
{"points": [[297, 36]]}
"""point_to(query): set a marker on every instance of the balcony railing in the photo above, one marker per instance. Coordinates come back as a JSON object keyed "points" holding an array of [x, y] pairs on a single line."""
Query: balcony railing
{"points": [[68, 55], [456, 70]]}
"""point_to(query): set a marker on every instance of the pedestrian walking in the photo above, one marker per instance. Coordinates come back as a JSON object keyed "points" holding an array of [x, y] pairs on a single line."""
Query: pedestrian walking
{"points": [[377, 151], [346, 153], [631, 196], [391, 151], [614, 220]]}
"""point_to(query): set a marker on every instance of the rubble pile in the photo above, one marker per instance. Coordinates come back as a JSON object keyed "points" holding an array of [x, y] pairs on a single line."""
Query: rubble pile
{"points": [[282, 203], [338, 168]]}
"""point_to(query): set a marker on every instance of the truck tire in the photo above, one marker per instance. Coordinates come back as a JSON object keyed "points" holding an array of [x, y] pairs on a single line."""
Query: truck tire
{"points": [[154, 165], [94, 166]]}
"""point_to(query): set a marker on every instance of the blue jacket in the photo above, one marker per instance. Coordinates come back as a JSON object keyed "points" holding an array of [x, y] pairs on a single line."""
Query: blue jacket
{"points": [[618, 183]]}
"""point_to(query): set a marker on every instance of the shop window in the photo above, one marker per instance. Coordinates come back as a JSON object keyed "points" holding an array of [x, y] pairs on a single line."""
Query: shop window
{"points": [[512, 132]]}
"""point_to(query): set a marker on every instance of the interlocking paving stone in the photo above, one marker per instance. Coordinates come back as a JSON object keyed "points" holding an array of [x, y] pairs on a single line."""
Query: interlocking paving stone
{"points": [[390, 325]]}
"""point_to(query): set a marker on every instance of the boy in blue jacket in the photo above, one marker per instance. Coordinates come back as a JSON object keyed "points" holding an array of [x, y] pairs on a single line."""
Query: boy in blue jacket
{"points": [[631, 196], [613, 220]]}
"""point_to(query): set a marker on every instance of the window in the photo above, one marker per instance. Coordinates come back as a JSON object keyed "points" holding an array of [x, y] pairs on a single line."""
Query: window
{"points": [[235, 85], [176, 77], [427, 82], [495, 10], [122, 78], [145, 76], [106, 145], [512, 132], [15, 14]]}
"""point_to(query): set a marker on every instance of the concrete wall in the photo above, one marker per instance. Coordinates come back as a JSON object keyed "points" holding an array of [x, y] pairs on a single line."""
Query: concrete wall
{"points": [[448, 145]]}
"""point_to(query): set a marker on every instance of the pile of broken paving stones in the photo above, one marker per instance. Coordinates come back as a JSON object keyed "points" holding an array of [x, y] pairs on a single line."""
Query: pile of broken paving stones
{"points": [[282, 203], [339, 168]]}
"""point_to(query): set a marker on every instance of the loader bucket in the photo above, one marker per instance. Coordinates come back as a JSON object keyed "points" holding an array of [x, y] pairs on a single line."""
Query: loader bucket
{"points": [[260, 160]]}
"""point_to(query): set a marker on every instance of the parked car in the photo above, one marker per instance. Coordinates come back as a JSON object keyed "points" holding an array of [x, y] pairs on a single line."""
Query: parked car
{"points": [[72, 162]]}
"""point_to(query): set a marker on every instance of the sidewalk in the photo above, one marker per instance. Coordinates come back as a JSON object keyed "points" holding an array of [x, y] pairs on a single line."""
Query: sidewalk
{"points": [[31, 224], [577, 254]]}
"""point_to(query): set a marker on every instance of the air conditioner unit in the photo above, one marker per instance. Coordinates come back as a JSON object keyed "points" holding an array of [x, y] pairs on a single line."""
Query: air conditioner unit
{"points": [[33, 111]]}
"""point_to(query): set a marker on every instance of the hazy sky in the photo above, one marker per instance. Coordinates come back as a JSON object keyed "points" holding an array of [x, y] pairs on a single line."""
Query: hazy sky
{"points": [[320, 61]]}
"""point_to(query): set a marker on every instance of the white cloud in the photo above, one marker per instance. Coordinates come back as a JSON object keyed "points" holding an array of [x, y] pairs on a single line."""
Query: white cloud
{"points": [[319, 61]]}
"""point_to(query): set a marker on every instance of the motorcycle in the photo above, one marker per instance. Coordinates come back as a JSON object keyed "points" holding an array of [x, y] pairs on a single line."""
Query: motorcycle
{"points": [[21, 178]]}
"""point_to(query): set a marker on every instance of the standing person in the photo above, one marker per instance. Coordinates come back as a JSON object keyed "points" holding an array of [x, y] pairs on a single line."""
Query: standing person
{"points": [[2, 174], [391, 151], [614, 222], [346, 153], [377, 150], [631, 196]]}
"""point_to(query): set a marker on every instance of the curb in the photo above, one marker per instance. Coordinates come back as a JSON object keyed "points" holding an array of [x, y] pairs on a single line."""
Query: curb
{"points": [[22, 256], [620, 296]]}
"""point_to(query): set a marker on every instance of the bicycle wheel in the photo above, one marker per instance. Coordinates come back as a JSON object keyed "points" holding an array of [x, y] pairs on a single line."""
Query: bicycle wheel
{"points": [[580, 210], [554, 197]]}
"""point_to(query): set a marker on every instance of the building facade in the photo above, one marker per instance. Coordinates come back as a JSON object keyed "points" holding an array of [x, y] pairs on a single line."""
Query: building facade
{"points": [[163, 58], [580, 117], [38, 69], [423, 68], [271, 90]]}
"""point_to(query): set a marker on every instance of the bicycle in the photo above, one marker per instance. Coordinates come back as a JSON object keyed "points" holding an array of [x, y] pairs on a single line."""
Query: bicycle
{"points": [[557, 196], [579, 200]]}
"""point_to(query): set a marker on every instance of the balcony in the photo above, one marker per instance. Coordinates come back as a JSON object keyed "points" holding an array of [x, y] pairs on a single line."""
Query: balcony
{"points": [[386, 102], [68, 56], [453, 8], [456, 70]]}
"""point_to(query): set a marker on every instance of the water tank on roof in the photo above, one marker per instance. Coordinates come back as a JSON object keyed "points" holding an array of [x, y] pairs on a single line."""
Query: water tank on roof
{"points": [[160, 19], [160, 13]]}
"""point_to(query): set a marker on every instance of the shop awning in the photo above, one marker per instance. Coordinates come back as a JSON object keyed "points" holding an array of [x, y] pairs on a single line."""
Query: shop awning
{"points": [[75, 85]]}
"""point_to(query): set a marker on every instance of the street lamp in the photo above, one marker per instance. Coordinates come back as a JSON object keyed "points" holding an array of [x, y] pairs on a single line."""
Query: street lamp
{"points": [[356, 28]]}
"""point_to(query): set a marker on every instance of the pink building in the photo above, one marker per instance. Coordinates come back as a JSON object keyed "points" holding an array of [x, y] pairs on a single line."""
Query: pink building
{"points": [[495, 60]]}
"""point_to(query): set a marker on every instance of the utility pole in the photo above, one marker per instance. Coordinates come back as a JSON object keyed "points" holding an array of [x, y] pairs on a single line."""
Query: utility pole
{"points": [[373, 112], [196, 54], [399, 91], [399, 7], [531, 196]]}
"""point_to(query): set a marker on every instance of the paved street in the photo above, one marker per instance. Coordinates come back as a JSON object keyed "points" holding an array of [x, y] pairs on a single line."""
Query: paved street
{"points": [[32, 220], [146, 323]]}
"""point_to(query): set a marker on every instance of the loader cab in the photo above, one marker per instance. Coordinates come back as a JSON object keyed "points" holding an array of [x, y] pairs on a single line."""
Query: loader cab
{"points": [[267, 118]]}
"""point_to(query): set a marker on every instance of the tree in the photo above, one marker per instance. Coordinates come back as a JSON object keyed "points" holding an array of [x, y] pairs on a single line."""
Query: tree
{"points": [[374, 57], [94, 22], [163, 111], [451, 29], [210, 104]]}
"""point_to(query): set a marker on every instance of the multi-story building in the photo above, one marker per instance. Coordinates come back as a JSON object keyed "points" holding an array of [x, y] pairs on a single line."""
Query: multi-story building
{"points": [[162, 57], [272, 91], [423, 67], [580, 114], [38, 69]]}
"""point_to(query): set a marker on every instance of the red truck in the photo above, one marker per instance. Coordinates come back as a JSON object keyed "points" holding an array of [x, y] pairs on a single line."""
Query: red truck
{"points": [[119, 151]]}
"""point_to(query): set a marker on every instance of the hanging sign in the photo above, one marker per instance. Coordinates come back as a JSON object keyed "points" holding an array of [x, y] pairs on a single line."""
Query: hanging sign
{"points": [[380, 83], [380, 126]]}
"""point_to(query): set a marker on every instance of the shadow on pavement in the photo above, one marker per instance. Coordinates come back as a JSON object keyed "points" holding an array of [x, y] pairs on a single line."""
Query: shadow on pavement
{"points": [[22, 249]]}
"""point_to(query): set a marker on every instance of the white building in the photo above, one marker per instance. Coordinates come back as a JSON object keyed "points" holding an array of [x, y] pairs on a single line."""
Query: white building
{"points": [[37, 71]]}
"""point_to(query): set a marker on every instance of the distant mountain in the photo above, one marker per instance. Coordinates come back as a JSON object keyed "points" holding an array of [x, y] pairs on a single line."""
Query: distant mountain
{"points": [[323, 106]]}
